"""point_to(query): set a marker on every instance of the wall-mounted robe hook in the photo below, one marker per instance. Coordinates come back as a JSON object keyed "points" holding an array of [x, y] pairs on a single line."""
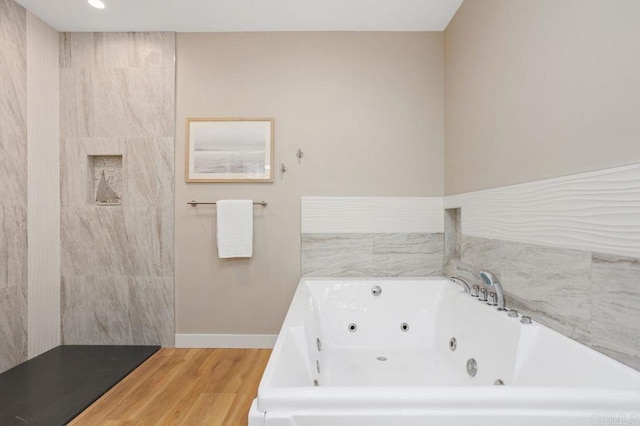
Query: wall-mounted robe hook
{"points": [[283, 168], [299, 154]]}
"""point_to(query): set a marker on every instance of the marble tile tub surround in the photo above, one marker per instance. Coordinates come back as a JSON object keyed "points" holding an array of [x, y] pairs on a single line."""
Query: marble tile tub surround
{"points": [[371, 236], [13, 184], [591, 297], [117, 98], [551, 284], [372, 255], [567, 251]]}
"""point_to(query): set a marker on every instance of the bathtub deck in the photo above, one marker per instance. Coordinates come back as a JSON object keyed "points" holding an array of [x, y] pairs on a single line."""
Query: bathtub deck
{"points": [[183, 387], [402, 367]]}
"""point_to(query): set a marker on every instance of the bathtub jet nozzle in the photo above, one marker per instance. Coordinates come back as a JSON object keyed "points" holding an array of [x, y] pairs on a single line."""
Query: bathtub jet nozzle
{"points": [[472, 367]]}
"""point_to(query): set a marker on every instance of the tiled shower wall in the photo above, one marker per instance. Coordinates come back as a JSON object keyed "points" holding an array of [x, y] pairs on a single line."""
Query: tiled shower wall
{"points": [[13, 184], [117, 99], [566, 250], [372, 236]]}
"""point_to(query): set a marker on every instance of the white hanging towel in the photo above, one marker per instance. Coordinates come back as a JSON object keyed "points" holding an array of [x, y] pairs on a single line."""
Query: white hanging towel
{"points": [[235, 228]]}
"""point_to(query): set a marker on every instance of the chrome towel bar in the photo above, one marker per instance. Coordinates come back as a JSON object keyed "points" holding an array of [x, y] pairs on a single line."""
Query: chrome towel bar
{"points": [[194, 203]]}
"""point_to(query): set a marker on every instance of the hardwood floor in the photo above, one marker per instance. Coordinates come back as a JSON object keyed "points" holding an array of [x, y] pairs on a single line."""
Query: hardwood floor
{"points": [[183, 387]]}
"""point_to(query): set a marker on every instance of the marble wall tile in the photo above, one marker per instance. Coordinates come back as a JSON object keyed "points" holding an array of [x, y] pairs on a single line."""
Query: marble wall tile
{"points": [[151, 311], [13, 85], [371, 254], [457, 268], [13, 184], [154, 49], [166, 218], [111, 241], [13, 327], [552, 283], [13, 246], [169, 50], [148, 183], [95, 310], [118, 92], [481, 252], [13, 167], [75, 102], [13, 28], [347, 255], [13, 103], [407, 255], [115, 102], [77, 50], [616, 307], [127, 103], [144, 240], [168, 128], [117, 50], [118, 310], [591, 297], [121, 50], [94, 242]]}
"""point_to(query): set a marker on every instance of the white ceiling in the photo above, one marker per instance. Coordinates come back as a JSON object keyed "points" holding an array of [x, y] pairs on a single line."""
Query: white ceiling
{"points": [[246, 15]]}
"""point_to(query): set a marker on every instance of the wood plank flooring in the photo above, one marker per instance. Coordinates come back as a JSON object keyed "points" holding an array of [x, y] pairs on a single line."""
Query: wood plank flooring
{"points": [[183, 387]]}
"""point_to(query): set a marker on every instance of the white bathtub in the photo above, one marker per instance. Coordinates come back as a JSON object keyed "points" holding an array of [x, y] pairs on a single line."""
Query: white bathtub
{"points": [[549, 379]]}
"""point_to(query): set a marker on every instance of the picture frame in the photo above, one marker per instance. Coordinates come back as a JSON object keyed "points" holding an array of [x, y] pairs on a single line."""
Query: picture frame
{"points": [[229, 149]]}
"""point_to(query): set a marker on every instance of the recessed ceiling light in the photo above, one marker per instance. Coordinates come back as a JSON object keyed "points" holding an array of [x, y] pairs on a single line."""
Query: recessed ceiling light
{"points": [[98, 4]]}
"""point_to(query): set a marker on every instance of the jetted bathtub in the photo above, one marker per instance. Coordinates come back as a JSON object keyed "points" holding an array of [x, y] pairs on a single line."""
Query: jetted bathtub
{"points": [[407, 356]]}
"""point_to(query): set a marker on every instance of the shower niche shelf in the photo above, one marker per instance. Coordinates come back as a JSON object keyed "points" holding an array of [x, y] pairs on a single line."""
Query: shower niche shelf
{"points": [[452, 234], [105, 179]]}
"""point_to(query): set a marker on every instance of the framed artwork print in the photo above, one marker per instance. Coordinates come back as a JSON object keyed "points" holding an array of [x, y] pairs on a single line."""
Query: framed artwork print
{"points": [[229, 150]]}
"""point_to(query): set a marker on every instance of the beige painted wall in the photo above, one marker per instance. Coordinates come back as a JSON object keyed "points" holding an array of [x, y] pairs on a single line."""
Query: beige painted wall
{"points": [[538, 89], [367, 110]]}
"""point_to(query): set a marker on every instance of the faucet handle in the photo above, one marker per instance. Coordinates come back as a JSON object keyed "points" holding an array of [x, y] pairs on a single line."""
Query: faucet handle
{"points": [[493, 299], [483, 295], [475, 290]]}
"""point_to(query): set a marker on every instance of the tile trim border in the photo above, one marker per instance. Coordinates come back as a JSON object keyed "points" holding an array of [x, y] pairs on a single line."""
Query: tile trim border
{"points": [[365, 215], [596, 211], [43, 187]]}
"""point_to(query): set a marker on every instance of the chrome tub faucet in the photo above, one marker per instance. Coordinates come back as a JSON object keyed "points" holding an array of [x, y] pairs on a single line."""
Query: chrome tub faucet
{"points": [[491, 280], [461, 282]]}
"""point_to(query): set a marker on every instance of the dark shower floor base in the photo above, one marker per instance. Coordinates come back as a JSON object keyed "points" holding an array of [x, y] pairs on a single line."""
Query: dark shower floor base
{"points": [[53, 388]]}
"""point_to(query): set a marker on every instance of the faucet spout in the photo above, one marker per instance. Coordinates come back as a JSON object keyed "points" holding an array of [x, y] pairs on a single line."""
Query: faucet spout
{"points": [[491, 280], [461, 282]]}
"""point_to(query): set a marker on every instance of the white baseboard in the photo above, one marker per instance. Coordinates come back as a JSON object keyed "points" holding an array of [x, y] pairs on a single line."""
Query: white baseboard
{"points": [[242, 341]]}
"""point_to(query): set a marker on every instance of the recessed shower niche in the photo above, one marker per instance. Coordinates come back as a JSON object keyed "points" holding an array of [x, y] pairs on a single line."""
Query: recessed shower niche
{"points": [[105, 180], [452, 234]]}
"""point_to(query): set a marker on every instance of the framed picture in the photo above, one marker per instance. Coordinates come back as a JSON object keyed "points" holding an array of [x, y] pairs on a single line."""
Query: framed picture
{"points": [[229, 150]]}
